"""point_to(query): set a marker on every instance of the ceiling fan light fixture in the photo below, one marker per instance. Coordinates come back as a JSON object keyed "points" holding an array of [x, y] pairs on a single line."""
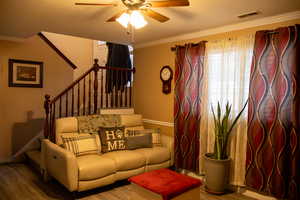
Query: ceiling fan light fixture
{"points": [[137, 19], [124, 19]]}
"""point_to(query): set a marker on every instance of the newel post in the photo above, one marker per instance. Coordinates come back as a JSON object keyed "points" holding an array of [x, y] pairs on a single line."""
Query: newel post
{"points": [[96, 69], [47, 111]]}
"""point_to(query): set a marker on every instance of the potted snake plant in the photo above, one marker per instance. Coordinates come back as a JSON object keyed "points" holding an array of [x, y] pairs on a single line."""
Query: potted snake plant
{"points": [[217, 164]]}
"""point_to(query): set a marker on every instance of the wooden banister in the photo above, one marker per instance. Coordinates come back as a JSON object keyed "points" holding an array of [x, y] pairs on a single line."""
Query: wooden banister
{"points": [[95, 67], [72, 85], [88, 100]]}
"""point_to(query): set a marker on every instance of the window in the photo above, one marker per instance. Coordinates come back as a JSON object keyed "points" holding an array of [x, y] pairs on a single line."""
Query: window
{"points": [[228, 72]]}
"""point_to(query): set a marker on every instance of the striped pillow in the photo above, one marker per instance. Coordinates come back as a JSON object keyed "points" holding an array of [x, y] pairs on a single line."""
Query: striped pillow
{"points": [[80, 144]]}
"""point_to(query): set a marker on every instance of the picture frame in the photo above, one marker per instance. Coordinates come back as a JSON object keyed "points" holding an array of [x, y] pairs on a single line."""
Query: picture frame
{"points": [[25, 73]]}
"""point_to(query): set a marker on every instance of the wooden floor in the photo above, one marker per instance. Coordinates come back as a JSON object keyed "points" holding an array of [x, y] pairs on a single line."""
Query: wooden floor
{"points": [[20, 182]]}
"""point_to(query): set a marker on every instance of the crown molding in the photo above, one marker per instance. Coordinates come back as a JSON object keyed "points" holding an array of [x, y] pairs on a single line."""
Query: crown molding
{"points": [[150, 121], [227, 28]]}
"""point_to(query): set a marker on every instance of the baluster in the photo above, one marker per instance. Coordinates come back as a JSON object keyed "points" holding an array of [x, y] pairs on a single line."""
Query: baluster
{"points": [[96, 86], [130, 94], [122, 88], [72, 101], [60, 107], [53, 124], [106, 94], [117, 88], [101, 88], [90, 93], [78, 99], [46, 107], [111, 94], [67, 103], [84, 96], [126, 89]]}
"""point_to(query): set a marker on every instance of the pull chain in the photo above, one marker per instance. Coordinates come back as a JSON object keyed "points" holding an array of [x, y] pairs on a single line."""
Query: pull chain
{"points": [[130, 32]]}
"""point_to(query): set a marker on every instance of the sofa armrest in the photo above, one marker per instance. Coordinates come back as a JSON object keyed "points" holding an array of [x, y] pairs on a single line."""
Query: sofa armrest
{"points": [[168, 141], [61, 164]]}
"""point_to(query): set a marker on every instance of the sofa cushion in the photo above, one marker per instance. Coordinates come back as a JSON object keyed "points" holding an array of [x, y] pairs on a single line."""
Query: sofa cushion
{"points": [[139, 141], [65, 125], [112, 139], [131, 120], [156, 137], [81, 144], [126, 159], [132, 128], [95, 166], [155, 155]]}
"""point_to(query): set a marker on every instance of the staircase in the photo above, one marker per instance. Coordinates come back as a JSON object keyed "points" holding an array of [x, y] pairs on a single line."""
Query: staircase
{"points": [[98, 88]]}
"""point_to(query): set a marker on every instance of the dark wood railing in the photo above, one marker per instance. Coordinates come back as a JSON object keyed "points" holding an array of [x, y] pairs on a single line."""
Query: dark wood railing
{"points": [[87, 95]]}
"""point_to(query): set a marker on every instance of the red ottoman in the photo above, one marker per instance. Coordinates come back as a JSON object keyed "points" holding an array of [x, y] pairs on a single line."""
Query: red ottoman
{"points": [[165, 184]]}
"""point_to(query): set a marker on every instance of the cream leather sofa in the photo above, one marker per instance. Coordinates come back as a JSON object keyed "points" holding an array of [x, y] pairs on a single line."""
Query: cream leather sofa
{"points": [[91, 171]]}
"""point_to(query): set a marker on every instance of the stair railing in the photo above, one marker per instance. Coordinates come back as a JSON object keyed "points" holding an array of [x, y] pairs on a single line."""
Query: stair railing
{"points": [[82, 97]]}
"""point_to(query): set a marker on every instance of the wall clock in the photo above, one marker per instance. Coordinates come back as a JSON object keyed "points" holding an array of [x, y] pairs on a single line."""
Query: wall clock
{"points": [[166, 75]]}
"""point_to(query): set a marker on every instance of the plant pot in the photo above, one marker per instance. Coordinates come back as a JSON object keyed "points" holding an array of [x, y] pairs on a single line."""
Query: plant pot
{"points": [[216, 174]]}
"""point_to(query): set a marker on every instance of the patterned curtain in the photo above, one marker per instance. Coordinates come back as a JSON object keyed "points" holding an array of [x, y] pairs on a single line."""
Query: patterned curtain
{"points": [[273, 149], [188, 80]]}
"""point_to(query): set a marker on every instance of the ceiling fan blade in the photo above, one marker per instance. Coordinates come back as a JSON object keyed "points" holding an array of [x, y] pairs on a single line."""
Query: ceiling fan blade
{"points": [[169, 3], [95, 4], [114, 18], [155, 15]]}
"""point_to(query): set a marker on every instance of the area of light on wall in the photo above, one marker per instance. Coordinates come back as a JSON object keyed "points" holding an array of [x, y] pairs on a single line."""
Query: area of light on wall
{"points": [[135, 18]]}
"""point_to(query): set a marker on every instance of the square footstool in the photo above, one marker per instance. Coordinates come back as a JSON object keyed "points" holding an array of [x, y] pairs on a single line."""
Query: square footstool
{"points": [[164, 184]]}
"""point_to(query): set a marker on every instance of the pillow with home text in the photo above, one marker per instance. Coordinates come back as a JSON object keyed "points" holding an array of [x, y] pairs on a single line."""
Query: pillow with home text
{"points": [[112, 139]]}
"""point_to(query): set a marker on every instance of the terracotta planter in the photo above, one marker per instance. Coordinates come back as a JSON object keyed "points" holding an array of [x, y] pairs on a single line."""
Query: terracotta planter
{"points": [[216, 174]]}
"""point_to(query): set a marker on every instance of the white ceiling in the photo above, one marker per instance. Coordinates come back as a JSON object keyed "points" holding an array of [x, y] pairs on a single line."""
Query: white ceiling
{"points": [[24, 18]]}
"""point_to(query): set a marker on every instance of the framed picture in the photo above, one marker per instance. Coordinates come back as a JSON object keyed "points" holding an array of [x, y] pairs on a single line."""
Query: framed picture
{"points": [[24, 73]]}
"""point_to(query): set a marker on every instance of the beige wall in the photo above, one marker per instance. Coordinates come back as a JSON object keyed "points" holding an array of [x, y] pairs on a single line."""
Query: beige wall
{"points": [[148, 97], [21, 109], [78, 50]]}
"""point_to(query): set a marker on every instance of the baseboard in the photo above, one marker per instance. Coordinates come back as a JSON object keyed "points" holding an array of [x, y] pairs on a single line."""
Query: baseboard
{"points": [[257, 195], [11, 160], [6, 161]]}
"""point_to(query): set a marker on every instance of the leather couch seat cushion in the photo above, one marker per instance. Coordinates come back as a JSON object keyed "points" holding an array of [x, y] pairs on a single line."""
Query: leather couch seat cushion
{"points": [[94, 166], [155, 155], [126, 159]]}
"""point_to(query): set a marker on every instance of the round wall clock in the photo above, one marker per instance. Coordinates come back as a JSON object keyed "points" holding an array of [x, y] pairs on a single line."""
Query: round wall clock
{"points": [[166, 75]]}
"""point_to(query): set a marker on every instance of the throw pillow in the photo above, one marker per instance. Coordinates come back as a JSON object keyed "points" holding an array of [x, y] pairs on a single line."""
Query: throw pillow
{"points": [[140, 141], [112, 139], [156, 137], [81, 144]]}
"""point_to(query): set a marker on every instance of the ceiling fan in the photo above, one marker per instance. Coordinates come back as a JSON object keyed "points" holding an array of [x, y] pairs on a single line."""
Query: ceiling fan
{"points": [[142, 7]]}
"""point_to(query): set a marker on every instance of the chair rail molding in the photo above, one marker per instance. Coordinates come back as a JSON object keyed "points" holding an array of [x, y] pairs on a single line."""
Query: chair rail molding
{"points": [[257, 195], [156, 122]]}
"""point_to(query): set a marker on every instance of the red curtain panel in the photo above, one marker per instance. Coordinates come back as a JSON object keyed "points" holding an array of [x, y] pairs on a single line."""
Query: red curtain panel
{"points": [[188, 80], [273, 149]]}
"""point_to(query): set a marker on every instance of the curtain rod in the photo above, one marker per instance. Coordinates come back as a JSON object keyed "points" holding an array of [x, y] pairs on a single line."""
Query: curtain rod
{"points": [[193, 44]]}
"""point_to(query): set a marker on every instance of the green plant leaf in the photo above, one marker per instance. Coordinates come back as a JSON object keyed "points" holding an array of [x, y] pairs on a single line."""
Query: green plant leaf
{"points": [[231, 127], [223, 129]]}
